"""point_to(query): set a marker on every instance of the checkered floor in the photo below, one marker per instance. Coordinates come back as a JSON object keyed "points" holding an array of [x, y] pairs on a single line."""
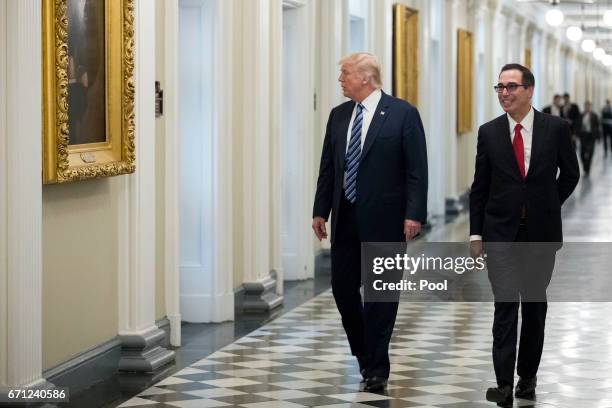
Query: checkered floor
{"points": [[441, 357]]}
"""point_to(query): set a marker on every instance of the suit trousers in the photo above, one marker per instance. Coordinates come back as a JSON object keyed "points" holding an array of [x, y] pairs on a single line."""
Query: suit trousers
{"points": [[607, 138], [533, 314], [587, 147], [368, 325]]}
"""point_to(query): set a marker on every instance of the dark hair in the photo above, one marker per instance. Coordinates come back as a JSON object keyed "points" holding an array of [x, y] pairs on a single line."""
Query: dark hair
{"points": [[556, 96], [528, 78], [566, 95]]}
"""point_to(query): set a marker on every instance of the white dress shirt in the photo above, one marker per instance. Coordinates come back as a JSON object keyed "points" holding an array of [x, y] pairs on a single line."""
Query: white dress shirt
{"points": [[369, 107], [586, 122], [555, 110], [527, 134]]}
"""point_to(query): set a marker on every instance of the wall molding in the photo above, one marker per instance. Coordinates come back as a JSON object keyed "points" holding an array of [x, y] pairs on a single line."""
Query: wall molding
{"points": [[94, 364]]}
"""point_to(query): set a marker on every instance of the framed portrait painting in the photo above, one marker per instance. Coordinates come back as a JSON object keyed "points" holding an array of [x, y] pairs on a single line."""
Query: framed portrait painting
{"points": [[465, 84], [88, 89], [406, 53]]}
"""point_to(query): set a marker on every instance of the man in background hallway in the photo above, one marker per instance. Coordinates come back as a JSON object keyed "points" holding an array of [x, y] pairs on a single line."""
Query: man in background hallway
{"points": [[373, 178], [516, 196], [589, 132], [571, 114], [606, 126], [555, 108]]}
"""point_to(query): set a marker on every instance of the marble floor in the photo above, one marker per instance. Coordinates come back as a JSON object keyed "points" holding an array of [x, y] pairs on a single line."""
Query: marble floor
{"points": [[440, 351]]}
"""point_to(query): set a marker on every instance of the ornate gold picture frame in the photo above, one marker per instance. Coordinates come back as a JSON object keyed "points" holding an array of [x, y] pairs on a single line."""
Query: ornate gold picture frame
{"points": [[528, 57], [465, 85], [88, 89], [406, 54]]}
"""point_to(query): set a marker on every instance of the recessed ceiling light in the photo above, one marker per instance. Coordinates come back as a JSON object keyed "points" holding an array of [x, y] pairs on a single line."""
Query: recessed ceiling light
{"points": [[554, 17], [588, 45], [607, 17], [574, 33]]}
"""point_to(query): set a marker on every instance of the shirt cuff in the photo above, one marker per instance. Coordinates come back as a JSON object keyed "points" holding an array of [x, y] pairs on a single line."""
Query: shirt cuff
{"points": [[475, 238]]}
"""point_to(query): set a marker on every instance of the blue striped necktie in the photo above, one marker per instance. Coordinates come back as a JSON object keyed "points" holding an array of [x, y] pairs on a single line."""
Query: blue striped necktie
{"points": [[353, 154]]}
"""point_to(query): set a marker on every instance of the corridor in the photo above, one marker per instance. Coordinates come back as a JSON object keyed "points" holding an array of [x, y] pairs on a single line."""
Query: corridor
{"points": [[440, 352]]}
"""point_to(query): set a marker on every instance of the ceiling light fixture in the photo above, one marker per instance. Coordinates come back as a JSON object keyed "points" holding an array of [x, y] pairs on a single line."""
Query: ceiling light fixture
{"points": [[588, 45], [574, 33], [607, 17], [554, 16]]}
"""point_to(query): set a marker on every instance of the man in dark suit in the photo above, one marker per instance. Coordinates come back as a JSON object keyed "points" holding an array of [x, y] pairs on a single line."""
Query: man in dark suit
{"points": [[555, 108], [571, 114], [589, 133], [516, 196], [373, 178], [606, 125]]}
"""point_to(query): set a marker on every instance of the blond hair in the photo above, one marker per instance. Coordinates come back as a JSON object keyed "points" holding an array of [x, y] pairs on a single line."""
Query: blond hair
{"points": [[365, 63]]}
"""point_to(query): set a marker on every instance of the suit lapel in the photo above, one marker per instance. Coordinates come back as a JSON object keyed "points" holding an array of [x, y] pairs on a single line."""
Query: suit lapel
{"points": [[380, 115], [503, 129], [537, 136]]}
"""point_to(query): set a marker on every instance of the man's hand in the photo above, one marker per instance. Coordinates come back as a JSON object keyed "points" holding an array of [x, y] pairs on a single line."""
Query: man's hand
{"points": [[411, 229], [475, 248], [318, 226]]}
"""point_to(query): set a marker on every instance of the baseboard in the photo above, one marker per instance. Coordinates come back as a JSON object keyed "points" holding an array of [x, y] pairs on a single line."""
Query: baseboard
{"points": [[93, 365], [238, 299]]}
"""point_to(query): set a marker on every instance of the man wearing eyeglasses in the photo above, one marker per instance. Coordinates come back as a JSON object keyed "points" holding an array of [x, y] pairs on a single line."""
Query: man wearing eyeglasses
{"points": [[516, 197]]}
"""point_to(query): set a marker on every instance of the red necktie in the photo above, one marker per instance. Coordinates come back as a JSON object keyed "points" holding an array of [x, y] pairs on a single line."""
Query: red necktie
{"points": [[519, 150]]}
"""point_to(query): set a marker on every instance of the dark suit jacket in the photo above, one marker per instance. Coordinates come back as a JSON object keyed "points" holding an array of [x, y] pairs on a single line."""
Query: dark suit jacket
{"points": [[547, 109], [392, 177], [499, 193], [573, 116], [594, 125]]}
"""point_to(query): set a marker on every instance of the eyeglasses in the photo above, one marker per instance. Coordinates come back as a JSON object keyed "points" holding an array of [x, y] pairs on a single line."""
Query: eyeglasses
{"points": [[511, 87]]}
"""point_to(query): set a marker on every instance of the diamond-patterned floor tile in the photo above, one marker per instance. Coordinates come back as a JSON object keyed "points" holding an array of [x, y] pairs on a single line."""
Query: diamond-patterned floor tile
{"points": [[440, 357]]}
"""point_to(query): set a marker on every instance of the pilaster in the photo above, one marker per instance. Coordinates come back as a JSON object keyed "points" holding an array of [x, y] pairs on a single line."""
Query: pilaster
{"points": [[259, 282], [141, 338], [20, 194]]}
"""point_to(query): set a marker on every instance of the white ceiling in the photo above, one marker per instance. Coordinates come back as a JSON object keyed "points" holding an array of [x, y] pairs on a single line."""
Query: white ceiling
{"points": [[587, 14]]}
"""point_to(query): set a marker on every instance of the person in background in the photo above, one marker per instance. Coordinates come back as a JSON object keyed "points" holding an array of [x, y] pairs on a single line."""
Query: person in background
{"points": [[606, 126], [555, 108], [571, 114], [589, 133]]}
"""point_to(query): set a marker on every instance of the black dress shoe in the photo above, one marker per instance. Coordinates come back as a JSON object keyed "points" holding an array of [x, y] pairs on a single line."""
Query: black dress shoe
{"points": [[375, 384], [525, 387], [500, 394]]}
